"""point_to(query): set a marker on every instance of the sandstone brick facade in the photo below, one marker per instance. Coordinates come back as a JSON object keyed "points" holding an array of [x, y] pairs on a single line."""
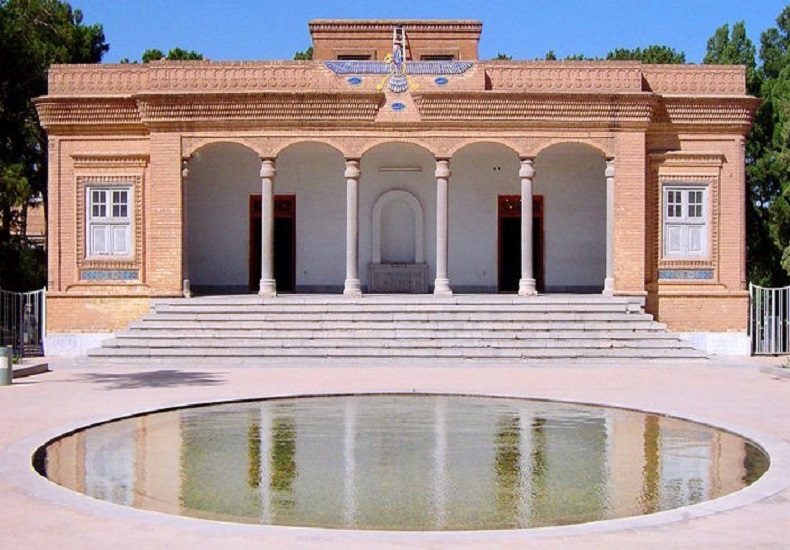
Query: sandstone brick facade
{"points": [[143, 128]]}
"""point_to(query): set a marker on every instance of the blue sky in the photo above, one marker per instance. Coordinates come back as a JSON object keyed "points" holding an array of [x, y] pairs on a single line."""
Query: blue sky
{"points": [[524, 29]]}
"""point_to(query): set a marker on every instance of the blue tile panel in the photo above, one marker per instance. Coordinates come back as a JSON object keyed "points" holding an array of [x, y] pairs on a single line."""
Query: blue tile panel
{"points": [[686, 274], [412, 67], [109, 275], [354, 80], [441, 80], [398, 106]]}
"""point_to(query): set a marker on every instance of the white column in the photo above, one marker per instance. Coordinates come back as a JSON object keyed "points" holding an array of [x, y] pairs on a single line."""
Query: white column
{"points": [[608, 283], [268, 286], [526, 285], [184, 230], [441, 285], [352, 286]]}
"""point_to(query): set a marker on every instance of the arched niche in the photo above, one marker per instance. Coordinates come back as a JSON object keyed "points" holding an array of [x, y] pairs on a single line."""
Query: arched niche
{"points": [[403, 269], [394, 199]]}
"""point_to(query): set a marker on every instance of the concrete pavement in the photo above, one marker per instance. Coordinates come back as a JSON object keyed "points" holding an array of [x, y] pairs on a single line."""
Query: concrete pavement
{"points": [[731, 393]]}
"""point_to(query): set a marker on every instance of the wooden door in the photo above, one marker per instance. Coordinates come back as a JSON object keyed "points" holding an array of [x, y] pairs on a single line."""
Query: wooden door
{"points": [[284, 242], [509, 242]]}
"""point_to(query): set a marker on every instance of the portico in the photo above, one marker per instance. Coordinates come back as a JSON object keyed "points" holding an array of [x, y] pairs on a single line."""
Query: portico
{"points": [[412, 222]]}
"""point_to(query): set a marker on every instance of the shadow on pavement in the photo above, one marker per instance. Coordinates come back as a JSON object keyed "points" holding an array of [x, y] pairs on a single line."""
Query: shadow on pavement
{"points": [[154, 379]]}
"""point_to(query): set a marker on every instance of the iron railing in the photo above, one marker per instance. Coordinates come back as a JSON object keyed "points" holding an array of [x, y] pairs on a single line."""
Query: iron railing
{"points": [[769, 313], [22, 322]]}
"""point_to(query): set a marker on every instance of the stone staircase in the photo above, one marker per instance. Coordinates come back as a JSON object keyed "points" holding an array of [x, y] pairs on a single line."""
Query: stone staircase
{"points": [[298, 329]]}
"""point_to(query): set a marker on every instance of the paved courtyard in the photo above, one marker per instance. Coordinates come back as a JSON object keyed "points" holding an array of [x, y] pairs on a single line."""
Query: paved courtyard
{"points": [[732, 393]]}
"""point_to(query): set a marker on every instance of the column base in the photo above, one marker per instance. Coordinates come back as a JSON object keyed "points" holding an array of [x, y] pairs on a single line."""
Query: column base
{"points": [[526, 287], [353, 288], [608, 287], [441, 287], [268, 288]]}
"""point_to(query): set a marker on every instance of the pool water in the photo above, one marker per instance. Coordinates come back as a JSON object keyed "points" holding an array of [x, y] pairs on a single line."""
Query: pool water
{"points": [[403, 462]]}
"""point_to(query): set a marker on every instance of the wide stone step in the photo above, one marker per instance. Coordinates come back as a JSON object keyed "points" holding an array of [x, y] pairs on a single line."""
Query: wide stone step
{"points": [[401, 299], [389, 333], [377, 352], [241, 309], [273, 317], [235, 344], [520, 326]]}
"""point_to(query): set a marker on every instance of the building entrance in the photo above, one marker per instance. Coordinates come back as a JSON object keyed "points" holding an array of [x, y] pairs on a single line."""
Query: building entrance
{"points": [[284, 242], [509, 238]]}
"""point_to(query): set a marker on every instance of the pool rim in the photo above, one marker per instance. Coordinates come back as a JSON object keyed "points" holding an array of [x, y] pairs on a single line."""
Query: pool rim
{"points": [[775, 479]]}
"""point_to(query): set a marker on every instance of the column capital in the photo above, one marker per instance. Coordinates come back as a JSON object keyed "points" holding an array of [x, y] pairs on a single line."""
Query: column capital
{"points": [[352, 169], [527, 169], [609, 173], [267, 168], [185, 168], [442, 168]]}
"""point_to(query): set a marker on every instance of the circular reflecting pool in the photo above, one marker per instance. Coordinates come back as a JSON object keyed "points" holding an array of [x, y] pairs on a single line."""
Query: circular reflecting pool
{"points": [[403, 462]]}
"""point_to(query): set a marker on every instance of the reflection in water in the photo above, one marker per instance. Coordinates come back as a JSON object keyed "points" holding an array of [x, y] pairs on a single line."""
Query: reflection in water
{"points": [[651, 479], [403, 462], [507, 467]]}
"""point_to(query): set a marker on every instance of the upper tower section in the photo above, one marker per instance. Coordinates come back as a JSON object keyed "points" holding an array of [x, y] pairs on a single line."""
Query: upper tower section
{"points": [[424, 40]]}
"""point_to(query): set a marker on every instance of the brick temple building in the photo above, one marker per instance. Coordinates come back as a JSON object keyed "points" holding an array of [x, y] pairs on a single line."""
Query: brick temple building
{"points": [[397, 161]]}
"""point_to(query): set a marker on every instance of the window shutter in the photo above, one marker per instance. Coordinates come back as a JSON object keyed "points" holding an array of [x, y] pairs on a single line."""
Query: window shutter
{"points": [[120, 240], [674, 239], [100, 240], [696, 240]]}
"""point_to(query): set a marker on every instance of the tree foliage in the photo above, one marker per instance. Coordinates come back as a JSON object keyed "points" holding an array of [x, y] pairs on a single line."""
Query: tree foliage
{"points": [[175, 54], [306, 55], [33, 35], [655, 54], [769, 151], [732, 47]]}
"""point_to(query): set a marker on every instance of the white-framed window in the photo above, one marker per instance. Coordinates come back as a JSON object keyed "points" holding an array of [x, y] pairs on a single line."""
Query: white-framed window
{"points": [[685, 221], [109, 217]]}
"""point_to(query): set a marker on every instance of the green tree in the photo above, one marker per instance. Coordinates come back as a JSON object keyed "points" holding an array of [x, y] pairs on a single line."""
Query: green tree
{"points": [[763, 255], [550, 56], [734, 48], [771, 165], [306, 55], [33, 35], [502, 57], [654, 54], [175, 54]]}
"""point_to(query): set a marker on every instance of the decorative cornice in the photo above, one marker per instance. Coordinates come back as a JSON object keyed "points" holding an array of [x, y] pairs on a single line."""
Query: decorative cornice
{"points": [[109, 160], [265, 106], [532, 76], [695, 79], [386, 25], [120, 79], [93, 111], [185, 76], [562, 76], [707, 111], [611, 110], [211, 76], [687, 159], [412, 67]]}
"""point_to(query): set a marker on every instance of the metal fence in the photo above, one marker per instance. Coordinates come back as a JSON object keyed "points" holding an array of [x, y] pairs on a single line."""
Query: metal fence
{"points": [[22, 316], [769, 314]]}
